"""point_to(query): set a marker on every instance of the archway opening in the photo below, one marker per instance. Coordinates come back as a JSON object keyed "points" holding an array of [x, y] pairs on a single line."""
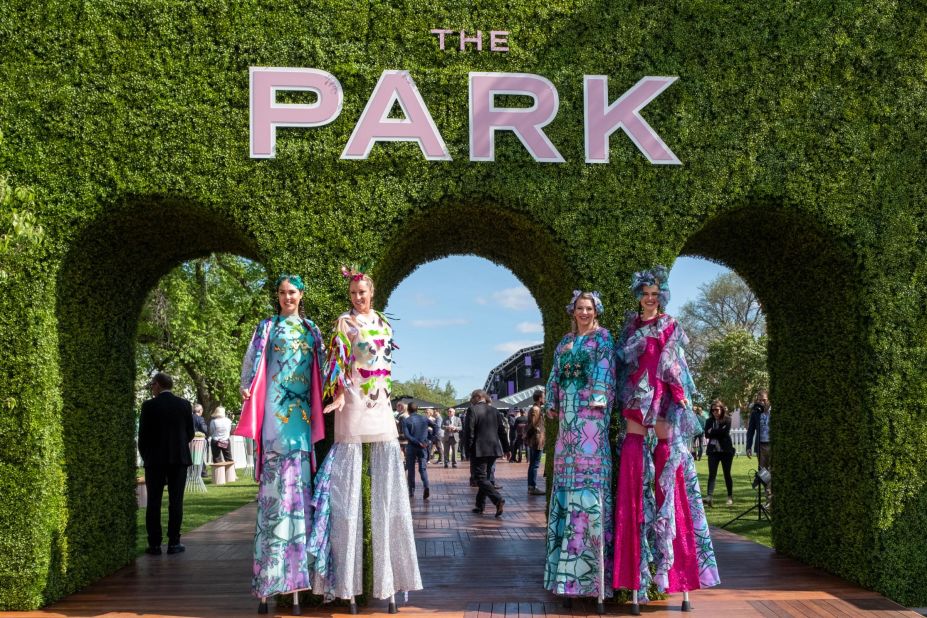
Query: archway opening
{"points": [[806, 281]]}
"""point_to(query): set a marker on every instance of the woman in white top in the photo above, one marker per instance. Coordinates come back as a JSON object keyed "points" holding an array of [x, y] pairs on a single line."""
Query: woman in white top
{"points": [[358, 375], [220, 428]]}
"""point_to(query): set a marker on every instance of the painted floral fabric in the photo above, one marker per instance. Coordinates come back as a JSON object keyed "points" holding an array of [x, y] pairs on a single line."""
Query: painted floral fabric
{"points": [[655, 380], [280, 556], [579, 532]]}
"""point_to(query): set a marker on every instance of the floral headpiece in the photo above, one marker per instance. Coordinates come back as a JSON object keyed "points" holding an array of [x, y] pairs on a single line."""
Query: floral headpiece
{"points": [[658, 276], [295, 280], [599, 307], [353, 273]]}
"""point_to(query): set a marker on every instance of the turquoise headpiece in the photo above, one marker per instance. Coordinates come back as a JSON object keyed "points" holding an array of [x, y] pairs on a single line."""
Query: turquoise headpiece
{"points": [[295, 280]]}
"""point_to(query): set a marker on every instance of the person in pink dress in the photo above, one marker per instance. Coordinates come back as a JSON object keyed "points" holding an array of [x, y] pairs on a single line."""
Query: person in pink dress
{"points": [[659, 517]]}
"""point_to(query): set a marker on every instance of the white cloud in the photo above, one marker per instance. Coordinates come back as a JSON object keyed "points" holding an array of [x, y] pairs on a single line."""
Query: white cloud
{"points": [[440, 323], [423, 300], [510, 347], [481, 300], [517, 299], [529, 327]]}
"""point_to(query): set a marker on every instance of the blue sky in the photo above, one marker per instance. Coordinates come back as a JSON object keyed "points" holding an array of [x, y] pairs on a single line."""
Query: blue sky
{"points": [[457, 337]]}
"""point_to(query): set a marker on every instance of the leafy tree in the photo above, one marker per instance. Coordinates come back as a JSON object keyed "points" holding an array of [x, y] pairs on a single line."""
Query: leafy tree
{"points": [[727, 332], [196, 324], [428, 389], [734, 368]]}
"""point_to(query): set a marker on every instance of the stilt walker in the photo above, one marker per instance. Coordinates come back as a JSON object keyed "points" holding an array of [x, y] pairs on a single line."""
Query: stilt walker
{"points": [[281, 384], [659, 519], [580, 393], [358, 376]]}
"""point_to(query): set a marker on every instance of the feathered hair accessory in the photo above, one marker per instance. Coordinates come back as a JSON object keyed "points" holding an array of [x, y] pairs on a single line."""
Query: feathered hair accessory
{"points": [[295, 280], [658, 276], [599, 307], [353, 273]]}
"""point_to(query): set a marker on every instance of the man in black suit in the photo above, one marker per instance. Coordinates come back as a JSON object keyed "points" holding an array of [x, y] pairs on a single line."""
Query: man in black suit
{"points": [[488, 440], [165, 430]]}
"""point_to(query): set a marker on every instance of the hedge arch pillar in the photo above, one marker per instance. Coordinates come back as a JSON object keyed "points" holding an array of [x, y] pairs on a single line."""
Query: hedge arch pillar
{"points": [[103, 282], [808, 284]]}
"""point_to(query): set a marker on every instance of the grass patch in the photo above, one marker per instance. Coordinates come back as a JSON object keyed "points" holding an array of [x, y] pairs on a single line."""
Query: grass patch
{"points": [[744, 497], [199, 509]]}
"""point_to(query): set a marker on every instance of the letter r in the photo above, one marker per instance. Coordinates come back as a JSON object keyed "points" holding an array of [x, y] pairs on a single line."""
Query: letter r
{"points": [[266, 114]]}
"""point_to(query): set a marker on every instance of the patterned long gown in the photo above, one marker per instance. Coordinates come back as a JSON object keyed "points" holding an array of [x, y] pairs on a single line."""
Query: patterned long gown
{"points": [[579, 528], [660, 520], [289, 346]]}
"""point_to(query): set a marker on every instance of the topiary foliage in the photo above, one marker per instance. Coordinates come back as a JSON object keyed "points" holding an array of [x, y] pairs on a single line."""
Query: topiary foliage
{"points": [[802, 122]]}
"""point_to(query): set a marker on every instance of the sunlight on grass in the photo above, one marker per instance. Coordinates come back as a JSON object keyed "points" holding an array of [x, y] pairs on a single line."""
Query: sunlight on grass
{"points": [[744, 497]]}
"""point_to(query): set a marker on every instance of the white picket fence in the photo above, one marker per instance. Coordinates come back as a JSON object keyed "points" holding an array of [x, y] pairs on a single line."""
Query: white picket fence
{"points": [[739, 438]]}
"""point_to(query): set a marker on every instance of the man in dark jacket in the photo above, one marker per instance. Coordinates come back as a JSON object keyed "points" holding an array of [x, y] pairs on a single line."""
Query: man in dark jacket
{"points": [[416, 429], [488, 440], [165, 430]]}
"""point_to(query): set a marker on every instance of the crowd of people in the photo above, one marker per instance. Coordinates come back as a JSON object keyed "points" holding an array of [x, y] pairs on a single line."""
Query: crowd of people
{"points": [[623, 523]]}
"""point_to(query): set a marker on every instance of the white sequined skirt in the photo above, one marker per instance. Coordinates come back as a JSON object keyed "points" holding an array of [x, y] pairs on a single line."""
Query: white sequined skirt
{"points": [[338, 528]]}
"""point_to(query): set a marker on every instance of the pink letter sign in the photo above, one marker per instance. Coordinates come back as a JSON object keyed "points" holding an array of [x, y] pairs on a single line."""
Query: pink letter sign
{"points": [[267, 114], [375, 125], [525, 122], [602, 119]]}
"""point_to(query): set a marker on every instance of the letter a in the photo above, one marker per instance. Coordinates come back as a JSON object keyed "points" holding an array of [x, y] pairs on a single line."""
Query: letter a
{"points": [[602, 119], [375, 125], [267, 114]]}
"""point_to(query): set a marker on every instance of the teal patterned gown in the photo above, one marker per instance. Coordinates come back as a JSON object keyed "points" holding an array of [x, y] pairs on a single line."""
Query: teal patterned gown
{"points": [[280, 556], [579, 528]]}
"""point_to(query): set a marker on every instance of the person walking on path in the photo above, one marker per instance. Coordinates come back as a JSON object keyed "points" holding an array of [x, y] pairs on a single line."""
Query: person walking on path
{"points": [[165, 430], [416, 428], [580, 394], [488, 440], [452, 428], [534, 440], [720, 449]]}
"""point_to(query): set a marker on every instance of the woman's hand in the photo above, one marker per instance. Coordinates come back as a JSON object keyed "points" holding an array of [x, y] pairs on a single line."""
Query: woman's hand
{"points": [[245, 393], [336, 405]]}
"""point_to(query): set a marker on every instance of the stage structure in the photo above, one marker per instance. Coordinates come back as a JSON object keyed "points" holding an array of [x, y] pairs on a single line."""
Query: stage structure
{"points": [[783, 139]]}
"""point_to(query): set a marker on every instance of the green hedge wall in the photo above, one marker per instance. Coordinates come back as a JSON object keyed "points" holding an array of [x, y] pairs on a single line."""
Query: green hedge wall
{"points": [[800, 128]]}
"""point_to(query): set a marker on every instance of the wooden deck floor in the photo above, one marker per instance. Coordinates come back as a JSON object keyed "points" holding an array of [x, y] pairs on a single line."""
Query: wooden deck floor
{"points": [[472, 567]]}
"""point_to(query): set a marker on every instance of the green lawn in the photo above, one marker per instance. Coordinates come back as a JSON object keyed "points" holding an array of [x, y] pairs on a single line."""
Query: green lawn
{"points": [[199, 508], [744, 498]]}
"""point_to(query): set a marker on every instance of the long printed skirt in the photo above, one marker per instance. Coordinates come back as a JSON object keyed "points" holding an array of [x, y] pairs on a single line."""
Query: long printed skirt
{"points": [[280, 555], [577, 543], [336, 538]]}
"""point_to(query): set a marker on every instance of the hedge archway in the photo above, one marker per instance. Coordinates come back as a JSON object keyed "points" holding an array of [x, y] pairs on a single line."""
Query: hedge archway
{"points": [[151, 99], [110, 270]]}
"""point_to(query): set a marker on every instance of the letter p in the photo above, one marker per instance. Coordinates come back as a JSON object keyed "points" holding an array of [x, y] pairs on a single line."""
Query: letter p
{"points": [[267, 114]]}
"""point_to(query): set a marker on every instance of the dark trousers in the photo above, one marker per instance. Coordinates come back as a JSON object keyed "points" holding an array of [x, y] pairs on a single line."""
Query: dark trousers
{"points": [[517, 447], [481, 473], [219, 453], [156, 477], [698, 443], [534, 461], [416, 454], [725, 460]]}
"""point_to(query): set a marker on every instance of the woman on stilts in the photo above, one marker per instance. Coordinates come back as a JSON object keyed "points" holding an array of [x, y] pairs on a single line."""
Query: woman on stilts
{"points": [[580, 393], [358, 377], [659, 519], [281, 385]]}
